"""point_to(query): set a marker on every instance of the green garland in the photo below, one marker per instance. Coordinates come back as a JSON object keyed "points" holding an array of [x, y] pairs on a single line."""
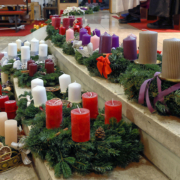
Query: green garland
{"points": [[33, 30], [58, 40], [50, 32], [89, 11], [97, 8], [8, 69], [68, 49], [79, 58]]}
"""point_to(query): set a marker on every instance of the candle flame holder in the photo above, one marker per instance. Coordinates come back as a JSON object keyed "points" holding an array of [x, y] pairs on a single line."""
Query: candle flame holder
{"points": [[137, 62], [167, 79]]}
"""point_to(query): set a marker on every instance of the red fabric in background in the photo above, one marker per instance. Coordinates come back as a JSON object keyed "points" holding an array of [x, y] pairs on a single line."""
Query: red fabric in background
{"points": [[89, 1], [94, 1]]}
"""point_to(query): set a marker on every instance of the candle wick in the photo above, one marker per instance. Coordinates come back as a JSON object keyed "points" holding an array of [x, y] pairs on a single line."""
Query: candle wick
{"points": [[79, 109], [112, 102]]}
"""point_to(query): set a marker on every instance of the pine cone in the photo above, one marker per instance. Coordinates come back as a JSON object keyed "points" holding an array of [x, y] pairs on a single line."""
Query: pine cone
{"points": [[100, 134]]}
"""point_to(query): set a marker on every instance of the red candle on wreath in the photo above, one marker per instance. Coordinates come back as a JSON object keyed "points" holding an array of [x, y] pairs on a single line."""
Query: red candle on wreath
{"points": [[32, 69], [113, 109], [49, 67], [29, 62], [88, 29], [0, 89], [80, 125], [53, 113], [3, 99], [90, 101], [66, 23], [76, 28], [48, 60], [10, 108], [79, 20], [62, 30]]}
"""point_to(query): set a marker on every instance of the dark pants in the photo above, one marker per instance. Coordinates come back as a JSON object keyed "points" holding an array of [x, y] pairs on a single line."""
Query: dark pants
{"points": [[135, 12]]}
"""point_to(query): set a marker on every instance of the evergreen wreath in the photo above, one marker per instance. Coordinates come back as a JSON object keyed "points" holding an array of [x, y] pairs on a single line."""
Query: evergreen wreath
{"points": [[68, 49]]}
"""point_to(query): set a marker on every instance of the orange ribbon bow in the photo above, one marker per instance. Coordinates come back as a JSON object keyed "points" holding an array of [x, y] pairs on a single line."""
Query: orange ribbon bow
{"points": [[103, 65]]}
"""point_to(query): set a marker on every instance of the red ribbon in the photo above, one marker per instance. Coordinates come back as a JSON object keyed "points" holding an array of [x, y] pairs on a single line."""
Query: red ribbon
{"points": [[103, 65]]}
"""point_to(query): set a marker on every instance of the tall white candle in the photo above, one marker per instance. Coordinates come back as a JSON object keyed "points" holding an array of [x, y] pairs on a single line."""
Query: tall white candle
{"points": [[42, 42], [34, 45], [10, 132], [43, 50], [171, 59], [25, 53], [74, 92], [3, 118], [27, 43], [12, 49], [4, 77], [64, 81], [148, 47], [37, 82], [18, 42], [39, 95]]}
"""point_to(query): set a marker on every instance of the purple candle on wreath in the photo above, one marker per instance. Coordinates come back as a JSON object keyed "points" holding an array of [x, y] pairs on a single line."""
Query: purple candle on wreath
{"points": [[86, 39], [115, 41], [130, 48], [71, 21], [81, 33], [105, 43], [97, 32]]}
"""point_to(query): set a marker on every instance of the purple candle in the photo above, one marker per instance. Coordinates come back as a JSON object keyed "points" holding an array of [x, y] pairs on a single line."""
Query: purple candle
{"points": [[81, 33], [105, 43], [86, 39], [130, 48], [97, 32], [115, 41], [71, 21]]}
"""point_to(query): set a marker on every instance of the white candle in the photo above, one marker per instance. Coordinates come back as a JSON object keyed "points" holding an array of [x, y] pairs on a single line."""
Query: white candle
{"points": [[34, 45], [148, 47], [37, 82], [5, 54], [25, 53], [10, 132], [18, 42], [39, 95], [42, 42], [12, 49], [74, 92], [43, 50], [171, 59], [64, 81], [27, 43], [3, 118], [4, 77]]}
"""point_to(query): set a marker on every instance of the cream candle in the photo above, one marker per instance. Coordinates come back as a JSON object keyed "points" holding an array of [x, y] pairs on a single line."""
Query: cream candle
{"points": [[42, 42], [3, 118], [18, 42], [10, 132], [95, 41], [148, 47], [64, 81], [12, 50], [39, 95], [34, 46], [4, 77], [27, 43], [74, 92], [171, 59], [43, 50], [37, 82], [69, 35], [25, 54]]}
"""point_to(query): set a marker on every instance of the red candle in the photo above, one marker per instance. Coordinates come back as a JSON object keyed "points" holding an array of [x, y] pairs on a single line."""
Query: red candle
{"points": [[29, 62], [49, 67], [10, 109], [62, 30], [66, 23], [0, 89], [88, 29], [90, 101], [76, 28], [57, 22], [80, 125], [80, 21], [3, 99], [53, 113], [51, 16], [48, 60], [61, 12], [113, 109], [32, 69]]}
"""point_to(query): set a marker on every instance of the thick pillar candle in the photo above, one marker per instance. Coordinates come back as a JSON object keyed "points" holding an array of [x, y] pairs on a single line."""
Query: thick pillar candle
{"points": [[3, 99], [64, 81], [148, 47], [53, 114], [88, 29], [115, 41], [48, 60], [25, 54], [27, 43], [171, 59], [76, 28], [37, 82], [69, 35], [0, 89], [34, 45], [95, 40], [42, 42], [105, 43], [12, 50], [32, 69], [81, 33], [79, 20], [43, 50], [90, 101], [4, 77], [62, 30], [49, 67], [18, 42], [130, 48], [74, 92], [10, 132], [66, 23], [97, 32], [29, 62], [71, 21], [80, 125], [3, 118], [39, 95], [10, 108], [56, 21], [113, 109], [86, 39]]}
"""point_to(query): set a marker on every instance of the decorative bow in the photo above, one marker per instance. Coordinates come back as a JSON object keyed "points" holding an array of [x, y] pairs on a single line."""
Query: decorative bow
{"points": [[103, 65], [28, 99]]}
